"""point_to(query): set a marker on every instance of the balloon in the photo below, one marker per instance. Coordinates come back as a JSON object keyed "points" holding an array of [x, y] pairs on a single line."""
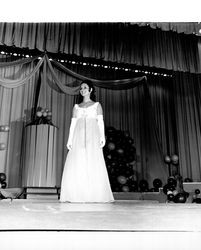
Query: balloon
{"points": [[174, 159], [171, 197], [157, 183], [125, 189], [120, 151], [39, 113], [49, 113], [167, 159], [2, 146], [44, 114], [6, 128], [109, 156], [3, 184], [165, 189], [143, 185], [198, 200], [48, 118], [2, 177], [122, 179], [2, 128], [126, 133], [111, 146], [168, 187], [175, 192], [39, 109], [197, 191], [180, 198], [188, 180], [128, 172], [133, 185], [130, 140], [172, 181]]}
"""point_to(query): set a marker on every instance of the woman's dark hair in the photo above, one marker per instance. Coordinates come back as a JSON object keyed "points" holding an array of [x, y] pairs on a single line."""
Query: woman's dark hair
{"points": [[91, 86]]}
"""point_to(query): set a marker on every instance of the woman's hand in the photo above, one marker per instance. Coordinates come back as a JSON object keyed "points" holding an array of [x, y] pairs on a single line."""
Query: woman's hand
{"points": [[69, 146], [102, 142]]}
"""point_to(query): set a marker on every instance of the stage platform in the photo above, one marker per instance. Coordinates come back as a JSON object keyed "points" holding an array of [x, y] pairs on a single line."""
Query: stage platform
{"points": [[124, 224]]}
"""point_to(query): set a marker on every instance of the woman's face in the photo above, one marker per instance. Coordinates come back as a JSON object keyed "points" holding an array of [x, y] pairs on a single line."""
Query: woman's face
{"points": [[84, 89]]}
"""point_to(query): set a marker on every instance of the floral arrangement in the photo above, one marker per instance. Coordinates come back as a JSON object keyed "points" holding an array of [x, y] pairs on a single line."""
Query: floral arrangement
{"points": [[42, 116]]}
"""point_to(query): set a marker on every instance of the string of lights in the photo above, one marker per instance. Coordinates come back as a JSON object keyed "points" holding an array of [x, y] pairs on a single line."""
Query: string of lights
{"points": [[67, 59]]}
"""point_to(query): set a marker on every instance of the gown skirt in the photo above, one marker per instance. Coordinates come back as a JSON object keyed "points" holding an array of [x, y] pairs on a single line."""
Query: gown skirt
{"points": [[85, 177]]}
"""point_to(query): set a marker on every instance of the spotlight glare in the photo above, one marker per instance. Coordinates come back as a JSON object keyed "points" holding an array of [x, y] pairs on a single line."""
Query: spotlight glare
{"points": [[136, 70], [126, 69], [27, 56], [73, 62], [105, 66], [84, 64], [116, 68], [15, 54], [95, 65], [62, 60], [2, 52]]}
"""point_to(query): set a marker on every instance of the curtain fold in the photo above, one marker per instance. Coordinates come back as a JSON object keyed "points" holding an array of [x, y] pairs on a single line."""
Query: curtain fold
{"points": [[187, 101], [8, 83]]}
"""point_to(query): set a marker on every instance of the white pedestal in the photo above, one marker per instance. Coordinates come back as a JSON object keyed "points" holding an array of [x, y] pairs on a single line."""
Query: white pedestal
{"points": [[39, 159]]}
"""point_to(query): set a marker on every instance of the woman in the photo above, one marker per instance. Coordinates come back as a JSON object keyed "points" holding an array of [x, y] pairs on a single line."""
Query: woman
{"points": [[85, 177]]}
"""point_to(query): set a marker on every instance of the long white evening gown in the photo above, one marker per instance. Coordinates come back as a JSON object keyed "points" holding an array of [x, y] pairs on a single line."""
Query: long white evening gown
{"points": [[85, 177]]}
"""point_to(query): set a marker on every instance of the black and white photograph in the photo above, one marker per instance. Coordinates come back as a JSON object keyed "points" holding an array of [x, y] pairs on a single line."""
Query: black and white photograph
{"points": [[100, 127]]}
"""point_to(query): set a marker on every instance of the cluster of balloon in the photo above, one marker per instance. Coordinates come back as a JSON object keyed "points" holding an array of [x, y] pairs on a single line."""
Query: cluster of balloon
{"points": [[3, 128], [174, 160], [3, 183], [42, 116], [196, 198], [174, 190], [120, 155]]}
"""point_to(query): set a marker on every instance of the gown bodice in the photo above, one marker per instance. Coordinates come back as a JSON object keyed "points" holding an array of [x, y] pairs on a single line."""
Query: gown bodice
{"points": [[88, 112]]}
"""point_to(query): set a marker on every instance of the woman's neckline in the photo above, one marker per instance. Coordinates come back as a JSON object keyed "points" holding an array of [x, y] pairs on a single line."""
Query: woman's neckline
{"points": [[87, 106]]}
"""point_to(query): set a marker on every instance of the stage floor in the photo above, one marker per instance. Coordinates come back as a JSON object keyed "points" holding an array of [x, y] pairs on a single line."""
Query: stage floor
{"points": [[119, 225], [118, 216]]}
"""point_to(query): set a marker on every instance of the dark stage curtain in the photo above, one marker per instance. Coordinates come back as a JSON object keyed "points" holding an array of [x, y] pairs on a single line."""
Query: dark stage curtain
{"points": [[116, 42]]}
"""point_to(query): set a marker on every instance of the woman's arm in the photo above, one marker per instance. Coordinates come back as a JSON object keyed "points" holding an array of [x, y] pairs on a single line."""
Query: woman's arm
{"points": [[101, 125], [72, 128]]}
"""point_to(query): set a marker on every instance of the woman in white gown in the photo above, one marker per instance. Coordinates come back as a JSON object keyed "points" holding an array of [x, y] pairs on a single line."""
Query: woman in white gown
{"points": [[85, 177]]}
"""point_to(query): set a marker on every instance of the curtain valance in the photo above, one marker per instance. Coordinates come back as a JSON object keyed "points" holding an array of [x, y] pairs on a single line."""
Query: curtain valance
{"points": [[108, 84]]}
